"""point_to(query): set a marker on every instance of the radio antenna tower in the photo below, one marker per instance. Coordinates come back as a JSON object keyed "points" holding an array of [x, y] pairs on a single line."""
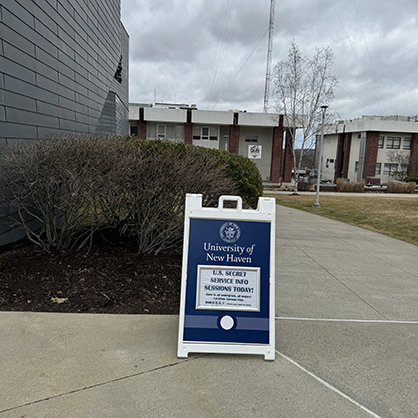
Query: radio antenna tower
{"points": [[269, 52]]}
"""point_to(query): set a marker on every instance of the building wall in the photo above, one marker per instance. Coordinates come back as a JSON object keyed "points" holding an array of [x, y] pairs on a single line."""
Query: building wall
{"points": [[329, 157], [379, 136], [206, 135], [58, 61], [165, 115], [212, 117], [354, 156], [263, 137], [383, 154], [232, 131]]}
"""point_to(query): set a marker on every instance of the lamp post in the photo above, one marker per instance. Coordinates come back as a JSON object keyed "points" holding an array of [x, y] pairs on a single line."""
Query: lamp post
{"points": [[318, 180]]}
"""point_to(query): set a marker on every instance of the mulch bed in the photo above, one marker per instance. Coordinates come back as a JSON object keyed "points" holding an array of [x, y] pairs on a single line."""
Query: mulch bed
{"points": [[113, 280]]}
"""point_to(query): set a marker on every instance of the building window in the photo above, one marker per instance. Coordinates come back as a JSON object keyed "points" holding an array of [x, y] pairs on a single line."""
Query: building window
{"points": [[251, 138], [196, 132], [404, 169], [205, 133], [213, 133], [381, 141], [390, 169], [393, 143], [407, 143], [134, 130], [378, 169], [356, 167], [118, 72], [161, 131]]}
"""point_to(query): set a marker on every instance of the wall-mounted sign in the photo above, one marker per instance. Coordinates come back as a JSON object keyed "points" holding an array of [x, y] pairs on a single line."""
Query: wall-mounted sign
{"points": [[254, 151], [227, 294]]}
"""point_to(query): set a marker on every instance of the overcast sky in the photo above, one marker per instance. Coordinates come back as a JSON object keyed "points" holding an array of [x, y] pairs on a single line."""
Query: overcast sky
{"points": [[213, 53]]}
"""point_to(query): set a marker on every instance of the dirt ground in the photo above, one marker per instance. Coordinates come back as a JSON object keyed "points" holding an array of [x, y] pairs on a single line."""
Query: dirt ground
{"points": [[107, 280]]}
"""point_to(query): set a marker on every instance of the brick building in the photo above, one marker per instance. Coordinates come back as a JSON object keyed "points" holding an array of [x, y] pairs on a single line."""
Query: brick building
{"points": [[370, 147], [259, 136]]}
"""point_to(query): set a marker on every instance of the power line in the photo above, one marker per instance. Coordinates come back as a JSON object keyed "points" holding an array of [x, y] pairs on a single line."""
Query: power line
{"points": [[370, 58], [242, 66], [354, 51], [220, 59]]}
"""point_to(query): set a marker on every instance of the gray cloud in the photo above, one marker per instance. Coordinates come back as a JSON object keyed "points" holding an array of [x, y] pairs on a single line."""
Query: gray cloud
{"points": [[190, 51]]}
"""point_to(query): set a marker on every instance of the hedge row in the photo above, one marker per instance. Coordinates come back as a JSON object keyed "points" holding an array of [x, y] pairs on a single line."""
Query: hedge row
{"points": [[401, 187], [77, 186], [347, 187]]}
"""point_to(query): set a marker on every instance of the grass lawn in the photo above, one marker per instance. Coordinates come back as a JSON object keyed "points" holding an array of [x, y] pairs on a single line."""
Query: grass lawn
{"points": [[392, 216]]}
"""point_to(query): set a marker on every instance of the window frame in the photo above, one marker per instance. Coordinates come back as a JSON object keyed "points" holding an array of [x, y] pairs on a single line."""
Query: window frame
{"points": [[199, 135], [393, 142], [205, 137], [211, 131], [389, 166], [164, 135]]}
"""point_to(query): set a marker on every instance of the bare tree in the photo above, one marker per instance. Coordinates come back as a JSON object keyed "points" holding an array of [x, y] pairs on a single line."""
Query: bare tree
{"points": [[401, 159], [302, 86]]}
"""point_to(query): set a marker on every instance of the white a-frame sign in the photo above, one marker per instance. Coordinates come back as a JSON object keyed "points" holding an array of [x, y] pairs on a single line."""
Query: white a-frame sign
{"points": [[227, 288]]}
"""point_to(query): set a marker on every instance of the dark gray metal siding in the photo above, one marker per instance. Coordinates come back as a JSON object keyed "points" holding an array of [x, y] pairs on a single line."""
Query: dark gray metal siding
{"points": [[57, 64]]}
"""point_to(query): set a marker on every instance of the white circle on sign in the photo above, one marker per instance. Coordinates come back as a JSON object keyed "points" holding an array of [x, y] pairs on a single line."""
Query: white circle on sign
{"points": [[227, 322]]}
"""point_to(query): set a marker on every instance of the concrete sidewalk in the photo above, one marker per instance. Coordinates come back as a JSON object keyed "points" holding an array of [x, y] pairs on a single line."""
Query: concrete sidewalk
{"points": [[346, 341]]}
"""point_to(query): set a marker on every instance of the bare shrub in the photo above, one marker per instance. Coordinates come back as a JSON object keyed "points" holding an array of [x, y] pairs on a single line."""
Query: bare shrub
{"points": [[346, 187], [305, 186], [400, 187], [74, 186], [54, 182], [155, 182]]}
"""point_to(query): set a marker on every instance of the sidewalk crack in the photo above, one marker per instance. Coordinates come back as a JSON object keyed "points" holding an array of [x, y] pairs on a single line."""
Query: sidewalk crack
{"points": [[70, 392]]}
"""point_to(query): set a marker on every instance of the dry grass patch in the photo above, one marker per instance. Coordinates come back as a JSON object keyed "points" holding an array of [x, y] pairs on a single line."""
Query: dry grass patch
{"points": [[392, 216]]}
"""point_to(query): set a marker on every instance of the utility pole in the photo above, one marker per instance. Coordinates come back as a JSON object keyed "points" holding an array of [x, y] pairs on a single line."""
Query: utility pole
{"points": [[269, 52]]}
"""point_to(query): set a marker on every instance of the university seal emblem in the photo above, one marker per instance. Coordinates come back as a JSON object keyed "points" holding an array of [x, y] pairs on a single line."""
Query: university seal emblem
{"points": [[230, 232]]}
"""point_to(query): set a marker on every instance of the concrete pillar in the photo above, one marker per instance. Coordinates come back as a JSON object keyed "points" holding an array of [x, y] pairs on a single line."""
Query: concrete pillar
{"points": [[372, 146], [277, 152]]}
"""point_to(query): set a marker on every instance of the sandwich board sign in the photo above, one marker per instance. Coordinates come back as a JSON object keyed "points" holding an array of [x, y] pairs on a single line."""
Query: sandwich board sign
{"points": [[227, 288]]}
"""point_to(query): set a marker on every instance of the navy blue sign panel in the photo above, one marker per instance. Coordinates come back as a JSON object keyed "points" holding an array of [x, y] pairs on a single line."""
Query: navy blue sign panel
{"points": [[228, 279]]}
